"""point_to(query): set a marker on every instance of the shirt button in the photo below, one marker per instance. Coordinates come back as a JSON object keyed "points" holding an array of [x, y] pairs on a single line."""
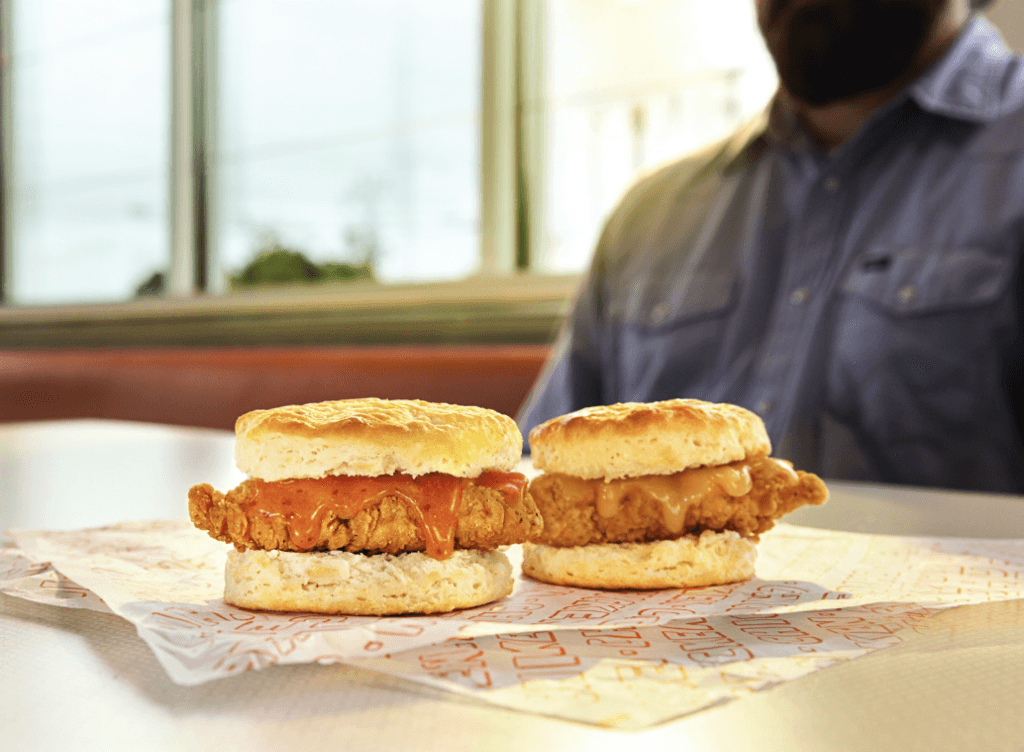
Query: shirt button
{"points": [[831, 185], [764, 406], [799, 296], [906, 294]]}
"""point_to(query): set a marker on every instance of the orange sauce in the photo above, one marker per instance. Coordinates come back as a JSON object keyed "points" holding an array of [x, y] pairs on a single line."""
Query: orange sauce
{"points": [[433, 501]]}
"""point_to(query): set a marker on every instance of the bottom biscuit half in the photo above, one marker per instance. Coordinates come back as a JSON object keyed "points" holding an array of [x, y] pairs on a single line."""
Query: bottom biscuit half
{"points": [[338, 582], [713, 558]]}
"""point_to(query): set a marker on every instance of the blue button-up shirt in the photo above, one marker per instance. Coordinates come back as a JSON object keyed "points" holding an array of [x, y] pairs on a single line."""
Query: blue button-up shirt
{"points": [[866, 302]]}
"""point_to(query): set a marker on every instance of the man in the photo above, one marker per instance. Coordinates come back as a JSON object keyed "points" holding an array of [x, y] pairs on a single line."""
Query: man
{"points": [[849, 266]]}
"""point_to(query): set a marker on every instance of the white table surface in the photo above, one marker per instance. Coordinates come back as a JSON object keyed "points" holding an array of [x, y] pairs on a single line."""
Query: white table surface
{"points": [[81, 680]]}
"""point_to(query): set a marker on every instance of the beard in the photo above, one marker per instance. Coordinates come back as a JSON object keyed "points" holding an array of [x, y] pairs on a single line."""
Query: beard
{"points": [[830, 50]]}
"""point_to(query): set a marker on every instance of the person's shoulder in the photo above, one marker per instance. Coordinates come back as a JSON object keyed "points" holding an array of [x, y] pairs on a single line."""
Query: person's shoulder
{"points": [[1004, 130], [975, 92]]}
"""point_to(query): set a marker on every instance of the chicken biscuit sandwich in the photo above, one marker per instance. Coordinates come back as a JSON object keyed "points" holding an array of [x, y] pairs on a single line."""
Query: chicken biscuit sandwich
{"points": [[657, 495], [370, 506]]}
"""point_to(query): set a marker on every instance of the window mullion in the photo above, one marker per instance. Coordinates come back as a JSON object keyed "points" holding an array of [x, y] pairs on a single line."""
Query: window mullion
{"points": [[207, 78], [183, 214], [498, 137]]}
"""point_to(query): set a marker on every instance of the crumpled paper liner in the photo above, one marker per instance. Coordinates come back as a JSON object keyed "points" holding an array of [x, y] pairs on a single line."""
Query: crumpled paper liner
{"points": [[617, 658]]}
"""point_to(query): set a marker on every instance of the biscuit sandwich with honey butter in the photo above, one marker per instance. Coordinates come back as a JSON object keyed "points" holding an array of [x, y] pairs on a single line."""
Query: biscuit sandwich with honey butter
{"points": [[370, 506], [657, 495]]}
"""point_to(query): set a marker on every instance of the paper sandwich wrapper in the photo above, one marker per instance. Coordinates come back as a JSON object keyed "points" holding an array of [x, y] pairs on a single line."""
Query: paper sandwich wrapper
{"points": [[626, 659]]}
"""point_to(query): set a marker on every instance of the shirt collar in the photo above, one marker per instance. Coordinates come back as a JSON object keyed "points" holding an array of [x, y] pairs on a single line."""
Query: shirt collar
{"points": [[977, 79]]}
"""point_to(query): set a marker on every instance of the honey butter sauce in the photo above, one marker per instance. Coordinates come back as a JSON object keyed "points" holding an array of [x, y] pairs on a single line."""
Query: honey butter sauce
{"points": [[784, 465], [676, 493], [433, 501]]}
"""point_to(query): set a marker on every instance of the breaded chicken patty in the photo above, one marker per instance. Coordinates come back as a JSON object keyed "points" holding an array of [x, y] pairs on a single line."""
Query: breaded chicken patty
{"points": [[486, 519], [572, 517]]}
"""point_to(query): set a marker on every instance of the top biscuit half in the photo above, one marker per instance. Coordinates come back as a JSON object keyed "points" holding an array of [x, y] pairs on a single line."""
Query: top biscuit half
{"points": [[632, 439], [373, 437]]}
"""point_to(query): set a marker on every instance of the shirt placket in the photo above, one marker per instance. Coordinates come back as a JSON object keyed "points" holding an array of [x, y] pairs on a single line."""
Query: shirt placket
{"points": [[784, 375]]}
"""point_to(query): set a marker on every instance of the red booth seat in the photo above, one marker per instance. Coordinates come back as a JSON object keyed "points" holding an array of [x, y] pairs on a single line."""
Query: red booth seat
{"points": [[211, 387]]}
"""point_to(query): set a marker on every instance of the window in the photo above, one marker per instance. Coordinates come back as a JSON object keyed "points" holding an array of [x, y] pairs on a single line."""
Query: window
{"points": [[86, 193], [213, 156], [631, 84], [349, 132]]}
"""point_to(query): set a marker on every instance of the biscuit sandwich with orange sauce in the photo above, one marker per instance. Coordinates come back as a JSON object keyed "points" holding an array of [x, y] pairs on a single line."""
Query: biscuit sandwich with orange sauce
{"points": [[657, 495], [370, 506]]}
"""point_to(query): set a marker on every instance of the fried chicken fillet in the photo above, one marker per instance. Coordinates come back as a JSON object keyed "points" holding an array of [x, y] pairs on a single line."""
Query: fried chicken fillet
{"points": [[487, 519], [569, 506]]}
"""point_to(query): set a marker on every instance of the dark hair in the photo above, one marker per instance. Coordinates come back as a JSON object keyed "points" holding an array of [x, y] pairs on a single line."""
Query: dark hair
{"points": [[980, 4]]}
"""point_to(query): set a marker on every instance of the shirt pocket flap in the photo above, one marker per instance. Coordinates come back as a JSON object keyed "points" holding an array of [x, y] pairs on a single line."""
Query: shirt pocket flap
{"points": [[710, 296], [922, 280]]}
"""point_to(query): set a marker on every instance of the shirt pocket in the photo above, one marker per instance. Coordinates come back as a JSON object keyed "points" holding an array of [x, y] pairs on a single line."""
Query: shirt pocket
{"points": [[910, 281], [917, 336], [709, 297]]}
